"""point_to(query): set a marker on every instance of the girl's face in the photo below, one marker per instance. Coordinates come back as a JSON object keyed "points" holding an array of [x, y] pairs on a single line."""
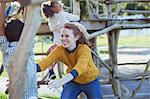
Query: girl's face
{"points": [[67, 38], [57, 7]]}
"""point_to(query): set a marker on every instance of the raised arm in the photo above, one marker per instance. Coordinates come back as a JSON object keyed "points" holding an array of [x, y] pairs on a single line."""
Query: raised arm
{"points": [[72, 17], [2, 18]]}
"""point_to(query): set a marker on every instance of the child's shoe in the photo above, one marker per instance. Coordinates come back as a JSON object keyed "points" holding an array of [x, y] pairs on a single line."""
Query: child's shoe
{"points": [[52, 74], [1, 69]]}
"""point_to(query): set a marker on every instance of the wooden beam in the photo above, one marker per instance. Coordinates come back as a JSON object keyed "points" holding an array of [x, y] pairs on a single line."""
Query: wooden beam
{"points": [[112, 19], [24, 2], [93, 25], [123, 1], [100, 28], [103, 63], [43, 28], [89, 26], [76, 7], [133, 63], [41, 54], [136, 11], [97, 24], [135, 76], [118, 26], [142, 80]]}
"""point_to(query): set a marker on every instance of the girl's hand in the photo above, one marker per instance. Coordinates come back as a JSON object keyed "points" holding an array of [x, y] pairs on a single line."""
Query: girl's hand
{"points": [[58, 83], [55, 84]]}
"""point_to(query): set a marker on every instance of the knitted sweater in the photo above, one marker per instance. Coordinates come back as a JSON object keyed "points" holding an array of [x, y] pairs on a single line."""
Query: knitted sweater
{"points": [[79, 60]]}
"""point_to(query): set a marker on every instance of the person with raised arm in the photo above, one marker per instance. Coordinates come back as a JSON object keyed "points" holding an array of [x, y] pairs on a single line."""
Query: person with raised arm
{"points": [[75, 53]]}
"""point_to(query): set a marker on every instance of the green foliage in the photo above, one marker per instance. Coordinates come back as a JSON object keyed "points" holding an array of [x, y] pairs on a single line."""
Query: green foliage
{"points": [[66, 2], [126, 6], [47, 38], [4, 74], [47, 97], [3, 96], [84, 10], [137, 6], [134, 6]]}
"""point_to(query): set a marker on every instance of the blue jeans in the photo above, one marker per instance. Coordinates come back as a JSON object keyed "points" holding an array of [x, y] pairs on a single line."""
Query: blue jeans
{"points": [[72, 90]]}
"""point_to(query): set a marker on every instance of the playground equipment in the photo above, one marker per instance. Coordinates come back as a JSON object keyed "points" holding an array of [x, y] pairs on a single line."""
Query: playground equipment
{"points": [[109, 25]]}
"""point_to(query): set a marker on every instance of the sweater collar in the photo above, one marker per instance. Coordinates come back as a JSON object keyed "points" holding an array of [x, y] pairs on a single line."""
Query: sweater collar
{"points": [[71, 51]]}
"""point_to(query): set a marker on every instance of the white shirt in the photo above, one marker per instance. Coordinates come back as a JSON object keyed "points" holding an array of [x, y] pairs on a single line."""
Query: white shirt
{"points": [[56, 23]]}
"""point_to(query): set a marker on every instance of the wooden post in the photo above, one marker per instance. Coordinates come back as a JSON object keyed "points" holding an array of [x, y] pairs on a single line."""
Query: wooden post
{"points": [[19, 63], [88, 8], [113, 42], [93, 41], [24, 2], [76, 7]]}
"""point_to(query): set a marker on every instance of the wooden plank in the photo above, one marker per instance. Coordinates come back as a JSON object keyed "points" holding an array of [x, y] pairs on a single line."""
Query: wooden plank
{"points": [[99, 24], [76, 7], [136, 11], [43, 28], [93, 25], [123, 1], [119, 26], [138, 96], [89, 26], [24, 2], [100, 19], [144, 92]]}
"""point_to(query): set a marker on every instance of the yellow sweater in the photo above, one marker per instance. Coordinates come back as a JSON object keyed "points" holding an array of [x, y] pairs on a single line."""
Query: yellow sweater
{"points": [[79, 60]]}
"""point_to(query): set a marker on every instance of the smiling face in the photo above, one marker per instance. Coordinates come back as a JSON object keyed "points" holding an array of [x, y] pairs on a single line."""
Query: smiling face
{"points": [[68, 39], [56, 7]]}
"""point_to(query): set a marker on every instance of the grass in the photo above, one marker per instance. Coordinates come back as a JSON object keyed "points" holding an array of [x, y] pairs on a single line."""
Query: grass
{"points": [[4, 74], [132, 41], [136, 41], [41, 47], [47, 97], [3, 96]]}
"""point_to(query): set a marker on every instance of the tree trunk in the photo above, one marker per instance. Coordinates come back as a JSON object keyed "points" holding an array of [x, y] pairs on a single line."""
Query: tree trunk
{"points": [[19, 63]]}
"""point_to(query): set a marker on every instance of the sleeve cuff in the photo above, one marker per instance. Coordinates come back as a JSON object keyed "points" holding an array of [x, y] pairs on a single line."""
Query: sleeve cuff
{"points": [[74, 73], [38, 69]]}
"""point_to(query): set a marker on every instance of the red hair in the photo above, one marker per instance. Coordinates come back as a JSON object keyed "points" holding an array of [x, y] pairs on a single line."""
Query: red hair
{"points": [[76, 31]]}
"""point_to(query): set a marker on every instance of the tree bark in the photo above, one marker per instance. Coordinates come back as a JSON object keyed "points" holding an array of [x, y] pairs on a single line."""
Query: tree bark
{"points": [[19, 63]]}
